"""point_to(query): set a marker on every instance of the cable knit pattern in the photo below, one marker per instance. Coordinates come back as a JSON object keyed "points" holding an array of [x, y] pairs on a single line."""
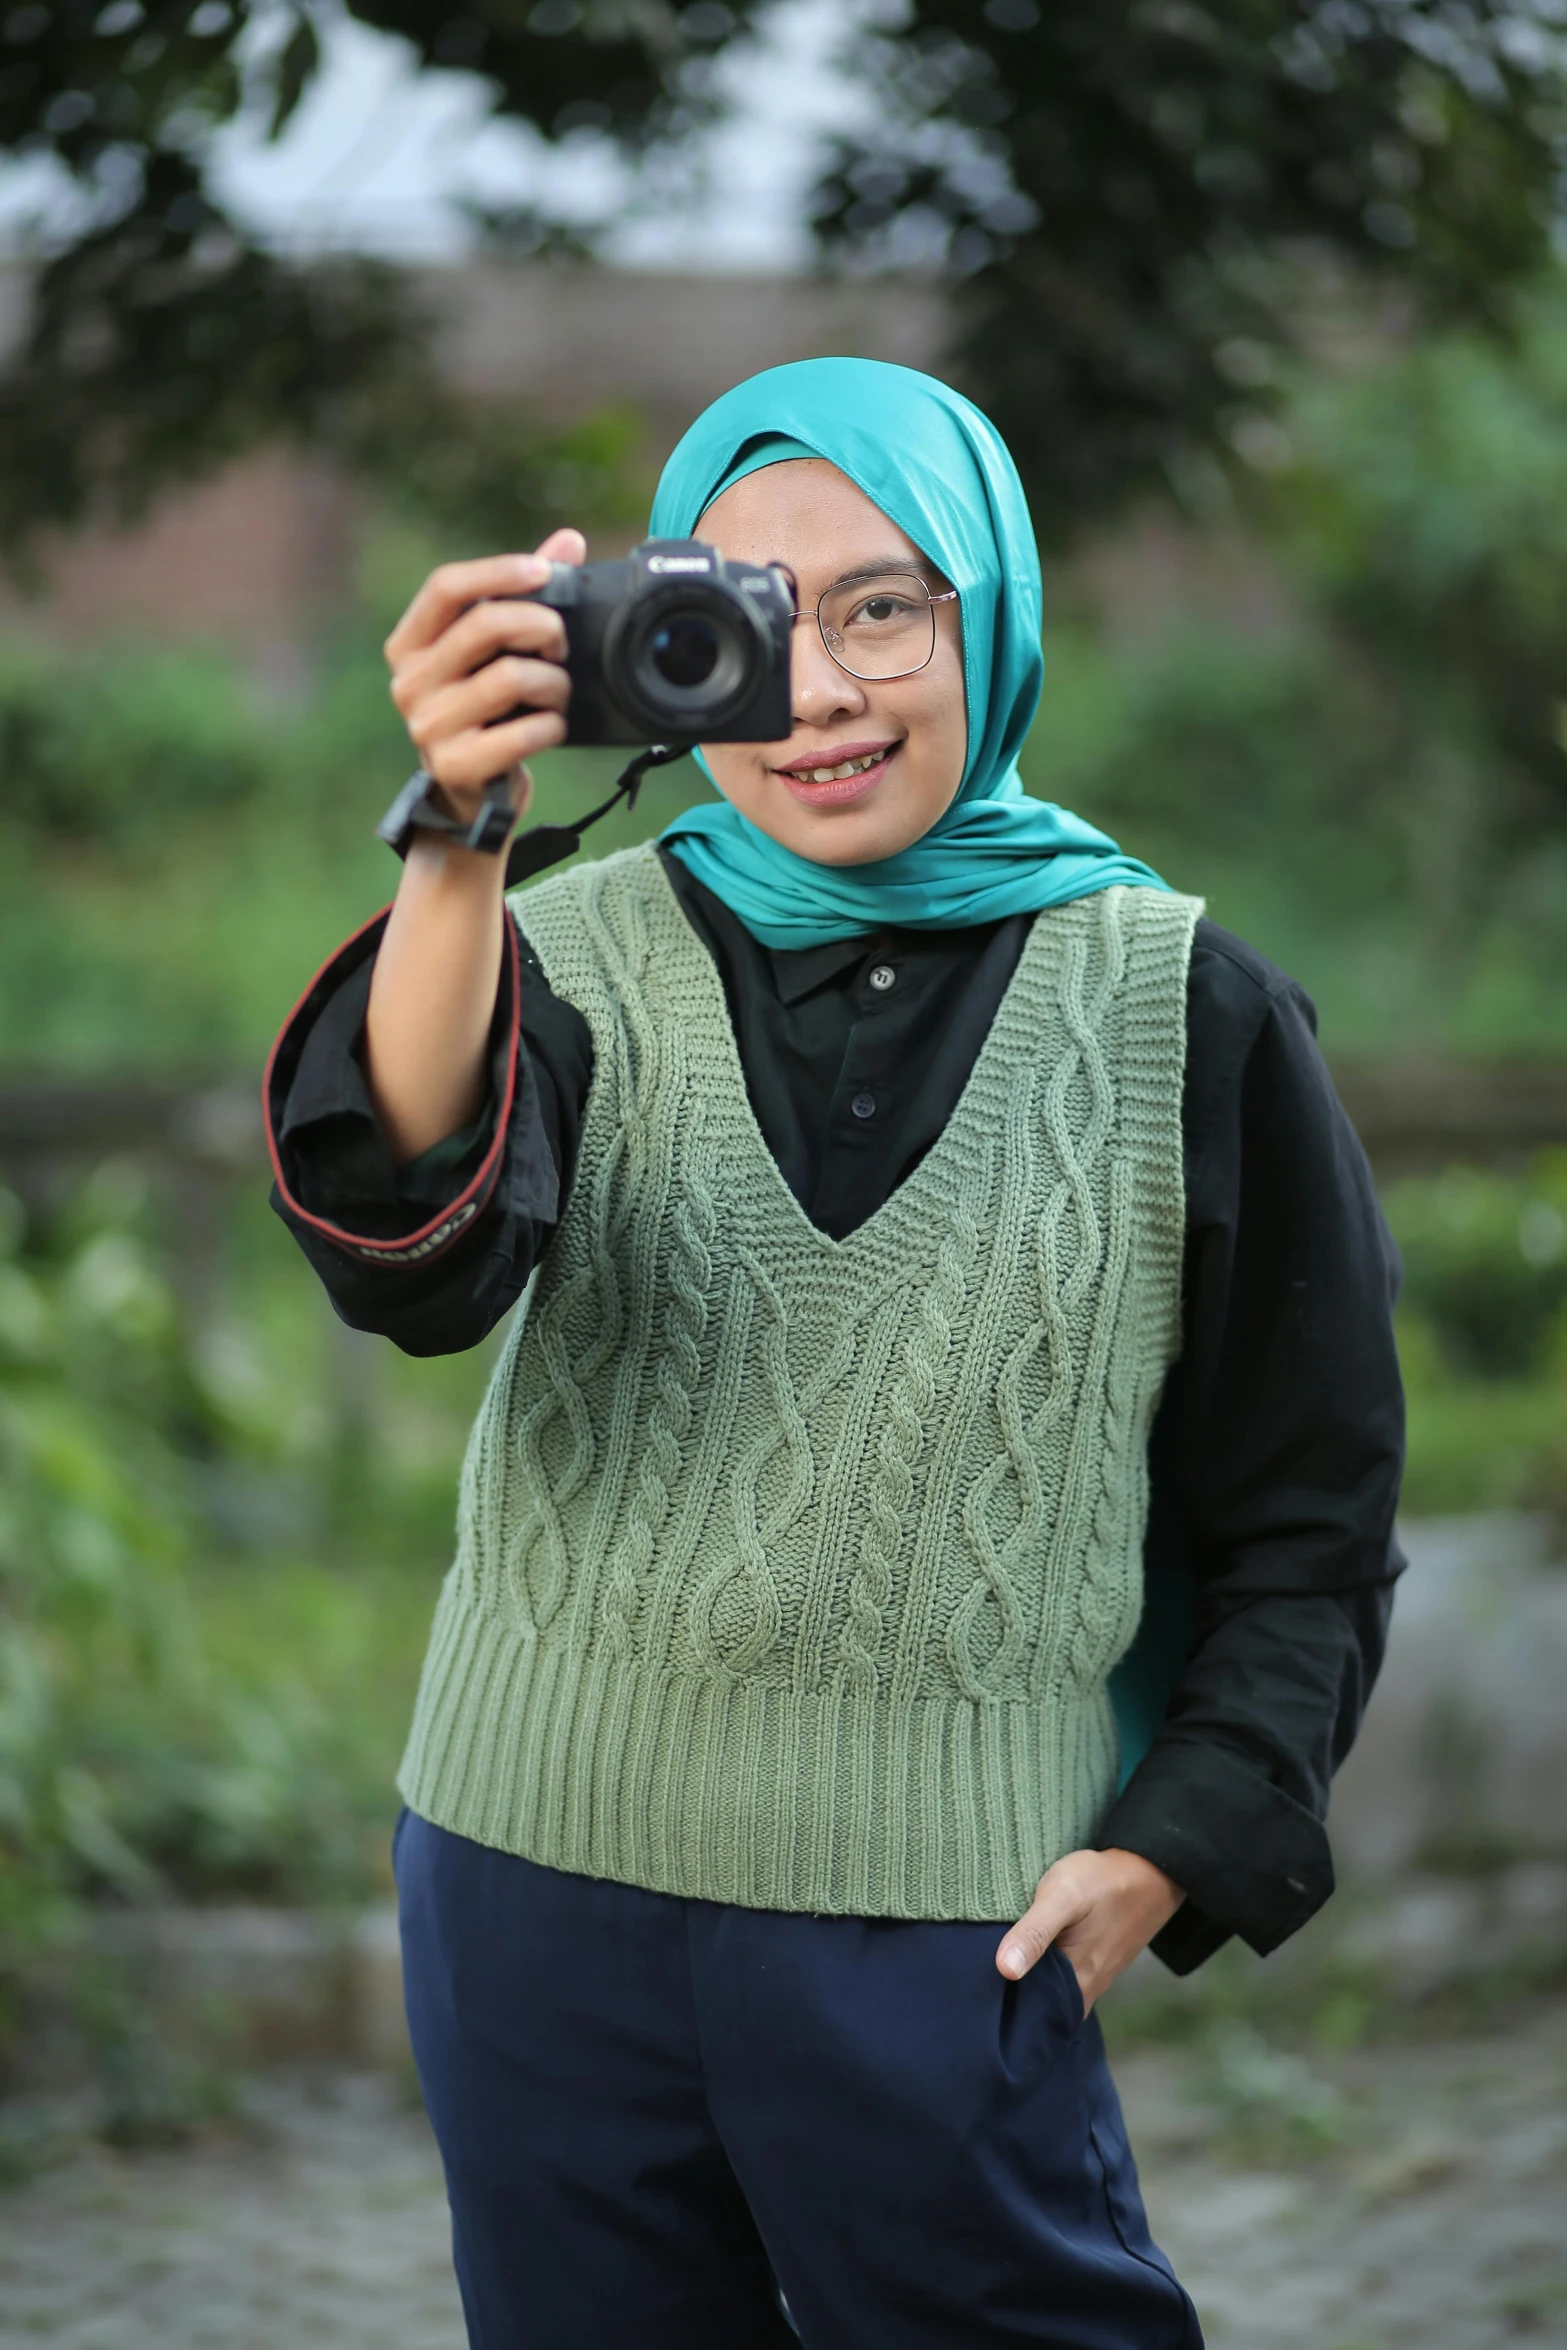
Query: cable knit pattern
{"points": [[675, 1380], [791, 1571]]}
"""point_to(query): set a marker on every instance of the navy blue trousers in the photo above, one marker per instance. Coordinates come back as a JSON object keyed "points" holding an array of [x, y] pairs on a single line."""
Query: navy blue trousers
{"points": [[654, 2113]]}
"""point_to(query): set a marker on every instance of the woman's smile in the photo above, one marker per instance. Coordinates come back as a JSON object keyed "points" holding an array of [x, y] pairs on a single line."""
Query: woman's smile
{"points": [[836, 777]]}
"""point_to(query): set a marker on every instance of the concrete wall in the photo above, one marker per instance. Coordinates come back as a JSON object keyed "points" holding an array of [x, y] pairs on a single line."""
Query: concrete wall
{"points": [[1463, 1756], [564, 338], [253, 558]]}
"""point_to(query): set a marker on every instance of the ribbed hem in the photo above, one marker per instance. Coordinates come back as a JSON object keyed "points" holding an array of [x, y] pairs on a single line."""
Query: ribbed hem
{"points": [[736, 1791]]}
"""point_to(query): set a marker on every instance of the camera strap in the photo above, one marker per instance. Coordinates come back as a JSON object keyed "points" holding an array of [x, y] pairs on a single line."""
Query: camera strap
{"points": [[421, 806], [545, 844]]}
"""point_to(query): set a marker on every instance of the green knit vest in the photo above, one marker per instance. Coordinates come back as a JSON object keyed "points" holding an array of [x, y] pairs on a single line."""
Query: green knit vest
{"points": [[790, 1570]]}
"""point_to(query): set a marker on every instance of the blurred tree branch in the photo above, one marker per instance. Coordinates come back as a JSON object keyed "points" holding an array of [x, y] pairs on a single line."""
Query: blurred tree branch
{"points": [[163, 341], [1136, 194], [1119, 187]]}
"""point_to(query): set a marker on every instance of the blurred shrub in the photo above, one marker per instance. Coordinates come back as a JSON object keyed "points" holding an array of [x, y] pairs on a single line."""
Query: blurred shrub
{"points": [[1426, 512], [122, 746], [490, 477], [1205, 746], [1275, 777], [139, 1756], [1421, 518], [1485, 1263], [180, 943], [1483, 1336], [1376, 791]]}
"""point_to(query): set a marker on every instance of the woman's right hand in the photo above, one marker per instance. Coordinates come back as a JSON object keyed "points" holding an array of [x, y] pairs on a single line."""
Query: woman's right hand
{"points": [[469, 650]]}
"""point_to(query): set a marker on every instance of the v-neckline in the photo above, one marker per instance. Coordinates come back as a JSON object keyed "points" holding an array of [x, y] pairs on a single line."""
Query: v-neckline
{"points": [[931, 1171]]}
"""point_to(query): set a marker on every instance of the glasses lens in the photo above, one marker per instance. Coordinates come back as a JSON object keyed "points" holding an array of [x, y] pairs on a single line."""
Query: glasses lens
{"points": [[685, 650], [881, 627]]}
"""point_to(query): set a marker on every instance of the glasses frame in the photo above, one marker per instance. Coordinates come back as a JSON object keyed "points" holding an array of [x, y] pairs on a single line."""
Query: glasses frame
{"points": [[886, 676]]}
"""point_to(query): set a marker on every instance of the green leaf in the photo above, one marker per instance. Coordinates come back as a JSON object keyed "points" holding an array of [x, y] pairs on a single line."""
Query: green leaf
{"points": [[298, 63]]}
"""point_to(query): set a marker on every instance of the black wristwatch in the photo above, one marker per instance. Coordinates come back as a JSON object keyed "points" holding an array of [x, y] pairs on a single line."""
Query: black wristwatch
{"points": [[422, 806]]}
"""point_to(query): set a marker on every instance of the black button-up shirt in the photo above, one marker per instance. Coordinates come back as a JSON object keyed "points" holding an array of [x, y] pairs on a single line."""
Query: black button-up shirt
{"points": [[1276, 1451]]}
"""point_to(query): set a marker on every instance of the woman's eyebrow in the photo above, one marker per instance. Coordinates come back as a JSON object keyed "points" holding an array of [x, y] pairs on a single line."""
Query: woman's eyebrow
{"points": [[908, 564]]}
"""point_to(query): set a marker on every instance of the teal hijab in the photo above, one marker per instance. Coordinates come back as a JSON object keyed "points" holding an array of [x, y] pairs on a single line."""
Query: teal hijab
{"points": [[939, 470]]}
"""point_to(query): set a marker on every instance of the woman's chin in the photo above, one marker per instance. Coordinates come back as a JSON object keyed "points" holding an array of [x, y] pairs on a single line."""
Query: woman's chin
{"points": [[863, 834], [828, 843]]}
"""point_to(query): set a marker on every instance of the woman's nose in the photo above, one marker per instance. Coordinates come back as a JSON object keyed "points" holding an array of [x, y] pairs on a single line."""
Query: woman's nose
{"points": [[819, 689]]}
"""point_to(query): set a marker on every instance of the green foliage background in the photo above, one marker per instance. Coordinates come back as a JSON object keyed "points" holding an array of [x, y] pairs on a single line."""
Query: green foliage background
{"points": [[221, 1535]]}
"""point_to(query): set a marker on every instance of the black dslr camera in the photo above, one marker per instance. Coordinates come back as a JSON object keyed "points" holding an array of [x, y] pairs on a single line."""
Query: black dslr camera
{"points": [[668, 647], [674, 645]]}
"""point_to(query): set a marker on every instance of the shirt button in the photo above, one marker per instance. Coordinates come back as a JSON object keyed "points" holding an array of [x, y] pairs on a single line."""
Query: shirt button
{"points": [[864, 1105], [883, 977]]}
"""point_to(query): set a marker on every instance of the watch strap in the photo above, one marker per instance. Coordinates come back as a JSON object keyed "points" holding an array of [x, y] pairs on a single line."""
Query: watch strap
{"points": [[422, 806]]}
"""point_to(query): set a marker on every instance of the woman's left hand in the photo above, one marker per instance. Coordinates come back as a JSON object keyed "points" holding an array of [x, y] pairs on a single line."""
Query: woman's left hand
{"points": [[1102, 1908]]}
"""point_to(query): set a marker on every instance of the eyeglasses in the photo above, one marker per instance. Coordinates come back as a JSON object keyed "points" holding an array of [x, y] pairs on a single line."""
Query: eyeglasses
{"points": [[881, 626]]}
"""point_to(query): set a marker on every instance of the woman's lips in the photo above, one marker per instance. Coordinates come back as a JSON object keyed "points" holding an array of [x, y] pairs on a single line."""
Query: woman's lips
{"points": [[843, 789]]}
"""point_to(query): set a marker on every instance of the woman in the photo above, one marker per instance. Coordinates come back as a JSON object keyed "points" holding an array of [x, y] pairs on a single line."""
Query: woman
{"points": [[888, 1148]]}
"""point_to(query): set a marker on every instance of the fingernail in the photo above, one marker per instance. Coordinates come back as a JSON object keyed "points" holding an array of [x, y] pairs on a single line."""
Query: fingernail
{"points": [[1014, 1959], [532, 570]]}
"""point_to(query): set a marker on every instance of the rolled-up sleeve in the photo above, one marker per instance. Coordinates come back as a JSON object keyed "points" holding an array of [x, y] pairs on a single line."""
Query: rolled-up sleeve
{"points": [[1274, 1467], [432, 1253]]}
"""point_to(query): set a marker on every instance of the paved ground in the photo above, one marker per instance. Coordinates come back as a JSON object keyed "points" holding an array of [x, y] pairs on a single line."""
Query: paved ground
{"points": [[1433, 2211], [1401, 2196]]}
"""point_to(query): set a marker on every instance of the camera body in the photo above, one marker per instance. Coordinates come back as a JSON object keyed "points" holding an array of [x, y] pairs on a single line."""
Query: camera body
{"points": [[671, 644]]}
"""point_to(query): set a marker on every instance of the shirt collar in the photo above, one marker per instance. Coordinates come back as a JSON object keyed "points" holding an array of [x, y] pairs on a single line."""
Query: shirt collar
{"points": [[799, 971]]}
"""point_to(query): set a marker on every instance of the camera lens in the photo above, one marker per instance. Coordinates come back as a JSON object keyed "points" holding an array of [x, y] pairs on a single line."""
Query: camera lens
{"points": [[684, 650], [682, 655]]}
